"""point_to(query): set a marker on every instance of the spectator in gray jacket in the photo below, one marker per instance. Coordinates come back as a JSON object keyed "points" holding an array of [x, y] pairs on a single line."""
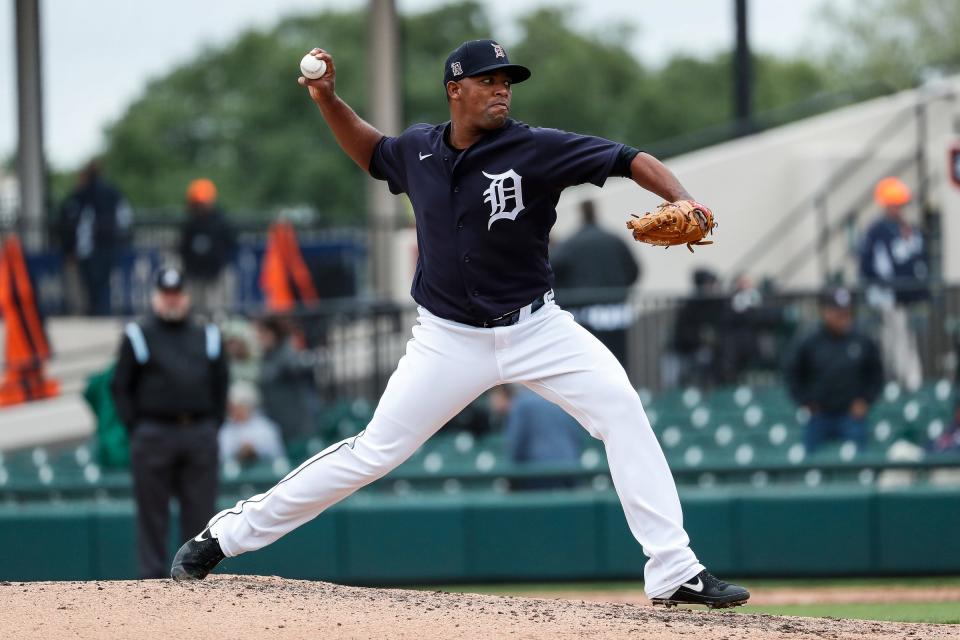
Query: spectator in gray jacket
{"points": [[248, 435], [286, 382]]}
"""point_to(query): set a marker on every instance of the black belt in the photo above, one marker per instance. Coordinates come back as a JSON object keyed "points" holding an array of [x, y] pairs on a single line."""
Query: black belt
{"points": [[513, 317], [180, 419]]}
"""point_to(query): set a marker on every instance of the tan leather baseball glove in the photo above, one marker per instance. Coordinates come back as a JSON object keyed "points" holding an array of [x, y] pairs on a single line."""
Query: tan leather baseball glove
{"points": [[681, 222]]}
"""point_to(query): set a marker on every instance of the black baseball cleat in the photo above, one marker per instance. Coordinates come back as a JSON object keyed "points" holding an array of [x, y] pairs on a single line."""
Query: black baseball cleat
{"points": [[196, 558], [708, 590]]}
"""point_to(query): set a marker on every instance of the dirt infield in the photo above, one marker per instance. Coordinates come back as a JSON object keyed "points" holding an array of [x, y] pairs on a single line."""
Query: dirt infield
{"points": [[249, 607], [785, 595]]}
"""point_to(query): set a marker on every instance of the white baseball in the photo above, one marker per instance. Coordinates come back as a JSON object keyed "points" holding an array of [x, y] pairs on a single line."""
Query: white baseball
{"points": [[312, 68]]}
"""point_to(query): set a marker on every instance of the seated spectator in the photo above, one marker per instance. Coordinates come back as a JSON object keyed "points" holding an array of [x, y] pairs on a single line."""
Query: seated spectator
{"points": [[835, 372], [247, 435], [738, 348], [697, 332], [238, 342], [537, 432], [286, 381], [474, 419], [949, 440]]}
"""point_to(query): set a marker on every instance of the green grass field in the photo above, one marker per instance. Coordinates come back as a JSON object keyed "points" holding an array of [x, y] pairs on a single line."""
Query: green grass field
{"points": [[942, 612], [939, 612]]}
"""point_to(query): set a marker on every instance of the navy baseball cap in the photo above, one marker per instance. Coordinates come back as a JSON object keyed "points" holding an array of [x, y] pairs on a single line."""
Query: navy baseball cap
{"points": [[480, 56], [169, 280]]}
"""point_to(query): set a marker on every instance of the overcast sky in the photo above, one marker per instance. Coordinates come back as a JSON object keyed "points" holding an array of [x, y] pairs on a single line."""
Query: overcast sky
{"points": [[97, 54]]}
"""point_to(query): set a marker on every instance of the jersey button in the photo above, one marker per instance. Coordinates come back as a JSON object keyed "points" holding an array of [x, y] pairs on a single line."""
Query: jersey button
{"points": [[460, 225], [475, 292], [466, 258], [456, 189]]}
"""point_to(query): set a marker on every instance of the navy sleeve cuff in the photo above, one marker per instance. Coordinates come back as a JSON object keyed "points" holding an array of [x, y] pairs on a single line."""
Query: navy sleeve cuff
{"points": [[621, 166]]}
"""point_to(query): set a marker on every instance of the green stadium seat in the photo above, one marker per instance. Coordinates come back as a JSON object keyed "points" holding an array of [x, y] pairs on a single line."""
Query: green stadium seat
{"points": [[486, 461], [592, 457], [693, 456], [730, 398], [726, 435], [671, 437], [464, 442], [433, 462], [699, 417], [753, 416]]}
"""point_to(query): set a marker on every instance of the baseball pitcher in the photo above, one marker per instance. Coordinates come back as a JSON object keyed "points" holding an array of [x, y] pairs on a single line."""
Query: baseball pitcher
{"points": [[484, 188]]}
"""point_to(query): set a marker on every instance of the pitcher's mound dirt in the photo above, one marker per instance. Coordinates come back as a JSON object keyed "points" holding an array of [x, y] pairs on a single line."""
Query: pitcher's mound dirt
{"points": [[253, 607]]}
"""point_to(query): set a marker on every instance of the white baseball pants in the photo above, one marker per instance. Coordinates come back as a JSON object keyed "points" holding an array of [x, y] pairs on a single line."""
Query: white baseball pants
{"points": [[446, 366]]}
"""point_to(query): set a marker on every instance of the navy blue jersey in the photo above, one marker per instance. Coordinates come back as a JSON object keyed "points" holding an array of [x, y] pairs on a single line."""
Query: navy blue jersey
{"points": [[484, 214]]}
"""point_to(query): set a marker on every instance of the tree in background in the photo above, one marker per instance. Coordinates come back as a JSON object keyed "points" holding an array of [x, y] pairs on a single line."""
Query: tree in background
{"points": [[236, 114], [427, 39], [897, 42]]}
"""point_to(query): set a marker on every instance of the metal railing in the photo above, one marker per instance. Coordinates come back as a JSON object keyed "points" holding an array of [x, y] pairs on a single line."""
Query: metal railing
{"points": [[754, 329], [819, 202], [744, 335]]}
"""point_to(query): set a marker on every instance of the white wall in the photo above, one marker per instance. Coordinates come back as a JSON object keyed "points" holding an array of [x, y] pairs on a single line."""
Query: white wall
{"points": [[753, 182]]}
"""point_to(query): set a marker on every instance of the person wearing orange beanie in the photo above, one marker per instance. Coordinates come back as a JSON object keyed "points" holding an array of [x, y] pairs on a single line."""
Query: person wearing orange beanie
{"points": [[207, 247], [894, 253], [894, 268], [891, 192]]}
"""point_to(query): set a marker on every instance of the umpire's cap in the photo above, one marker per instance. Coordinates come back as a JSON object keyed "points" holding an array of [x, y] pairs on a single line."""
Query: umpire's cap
{"points": [[480, 56], [169, 280], [837, 298]]}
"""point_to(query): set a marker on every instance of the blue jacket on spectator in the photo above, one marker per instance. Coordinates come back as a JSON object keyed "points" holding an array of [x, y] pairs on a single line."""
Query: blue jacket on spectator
{"points": [[539, 431], [895, 258]]}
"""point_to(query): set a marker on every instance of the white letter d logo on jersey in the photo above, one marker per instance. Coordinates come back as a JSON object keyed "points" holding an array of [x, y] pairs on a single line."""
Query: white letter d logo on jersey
{"points": [[504, 187]]}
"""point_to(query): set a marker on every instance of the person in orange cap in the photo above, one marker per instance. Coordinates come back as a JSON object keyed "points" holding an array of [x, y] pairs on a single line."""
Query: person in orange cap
{"points": [[894, 253], [207, 247], [894, 268], [891, 192]]}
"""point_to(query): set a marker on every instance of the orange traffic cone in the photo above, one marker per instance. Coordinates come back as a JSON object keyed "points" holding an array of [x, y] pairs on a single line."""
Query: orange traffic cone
{"points": [[284, 278], [26, 344]]}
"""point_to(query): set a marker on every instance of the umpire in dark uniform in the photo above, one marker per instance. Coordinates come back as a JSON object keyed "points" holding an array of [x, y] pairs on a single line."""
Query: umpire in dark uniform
{"points": [[170, 390]]}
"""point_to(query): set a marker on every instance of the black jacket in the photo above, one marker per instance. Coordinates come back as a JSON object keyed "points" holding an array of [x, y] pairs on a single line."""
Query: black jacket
{"points": [[207, 244], [828, 371], [110, 217], [597, 260], [181, 378]]}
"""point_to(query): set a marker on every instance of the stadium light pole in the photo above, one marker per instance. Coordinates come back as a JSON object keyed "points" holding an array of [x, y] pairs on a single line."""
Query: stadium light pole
{"points": [[384, 109], [31, 175], [742, 72]]}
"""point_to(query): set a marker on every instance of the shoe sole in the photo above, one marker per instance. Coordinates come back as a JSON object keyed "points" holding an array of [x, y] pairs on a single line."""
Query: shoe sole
{"points": [[179, 574], [710, 605]]}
